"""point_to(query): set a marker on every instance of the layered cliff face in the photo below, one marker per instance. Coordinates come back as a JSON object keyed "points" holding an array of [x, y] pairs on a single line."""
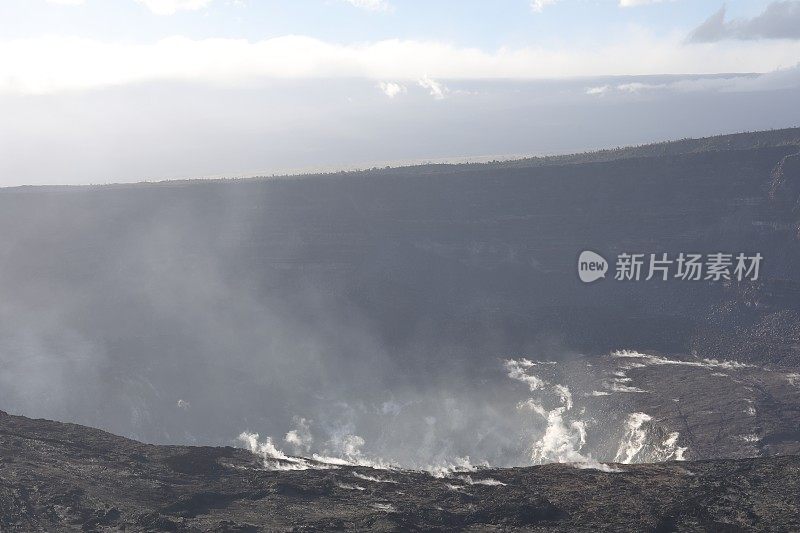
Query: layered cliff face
{"points": [[384, 303]]}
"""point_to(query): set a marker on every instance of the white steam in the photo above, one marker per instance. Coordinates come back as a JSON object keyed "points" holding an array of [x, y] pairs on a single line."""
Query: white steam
{"points": [[300, 437], [643, 359], [565, 435], [567, 427], [274, 459], [638, 445]]}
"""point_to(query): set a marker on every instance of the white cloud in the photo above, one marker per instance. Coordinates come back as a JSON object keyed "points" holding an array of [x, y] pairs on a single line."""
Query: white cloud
{"points": [[636, 87], [370, 5], [538, 5], [391, 89], [67, 2], [48, 64], [436, 89], [600, 90], [170, 7], [634, 3]]}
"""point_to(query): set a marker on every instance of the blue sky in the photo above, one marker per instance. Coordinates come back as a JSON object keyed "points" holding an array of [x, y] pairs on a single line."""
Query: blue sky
{"points": [[481, 23]]}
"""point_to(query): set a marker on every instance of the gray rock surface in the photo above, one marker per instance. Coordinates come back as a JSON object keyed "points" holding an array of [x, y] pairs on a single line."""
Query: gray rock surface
{"points": [[64, 477]]}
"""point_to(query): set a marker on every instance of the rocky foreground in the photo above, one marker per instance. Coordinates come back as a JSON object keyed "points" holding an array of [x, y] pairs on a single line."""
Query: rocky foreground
{"points": [[56, 476]]}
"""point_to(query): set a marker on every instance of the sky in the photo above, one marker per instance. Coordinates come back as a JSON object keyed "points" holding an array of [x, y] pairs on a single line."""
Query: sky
{"points": [[94, 91]]}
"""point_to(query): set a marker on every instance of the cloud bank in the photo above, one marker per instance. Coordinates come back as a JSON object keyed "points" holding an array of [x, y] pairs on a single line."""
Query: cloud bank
{"points": [[52, 64]]}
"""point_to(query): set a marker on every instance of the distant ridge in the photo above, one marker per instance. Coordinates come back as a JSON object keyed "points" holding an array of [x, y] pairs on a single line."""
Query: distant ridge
{"points": [[733, 141], [727, 142]]}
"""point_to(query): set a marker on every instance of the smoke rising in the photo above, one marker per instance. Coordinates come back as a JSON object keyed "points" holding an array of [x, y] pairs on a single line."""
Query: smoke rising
{"points": [[175, 318]]}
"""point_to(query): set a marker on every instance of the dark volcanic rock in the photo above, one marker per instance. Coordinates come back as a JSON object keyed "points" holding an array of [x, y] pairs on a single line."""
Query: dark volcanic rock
{"points": [[186, 312], [62, 477]]}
